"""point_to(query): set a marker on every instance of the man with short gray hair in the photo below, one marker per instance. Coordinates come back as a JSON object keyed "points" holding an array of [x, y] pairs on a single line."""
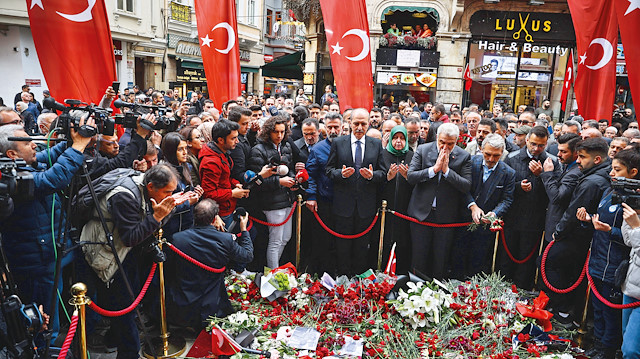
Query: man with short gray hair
{"points": [[441, 174], [491, 194]]}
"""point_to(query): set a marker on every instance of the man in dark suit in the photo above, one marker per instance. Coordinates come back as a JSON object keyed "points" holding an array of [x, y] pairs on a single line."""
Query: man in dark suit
{"points": [[196, 294], [441, 173], [310, 128], [356, 169], [524, 222], [491, 194]]}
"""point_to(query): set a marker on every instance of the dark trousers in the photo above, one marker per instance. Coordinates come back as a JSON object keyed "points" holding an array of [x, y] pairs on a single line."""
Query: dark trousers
{"points": [[473, 253], [432, 245], [123, 332], [520, 244], [563, 266], [352, 254], [321, 256], [607, 322]]}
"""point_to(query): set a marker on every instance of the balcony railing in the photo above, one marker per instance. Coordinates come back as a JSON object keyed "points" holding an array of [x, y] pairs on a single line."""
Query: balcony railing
{"points": [[180, 12]]}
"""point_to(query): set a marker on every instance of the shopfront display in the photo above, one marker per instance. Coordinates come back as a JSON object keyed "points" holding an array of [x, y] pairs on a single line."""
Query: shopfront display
{"points": [[518, 58]]}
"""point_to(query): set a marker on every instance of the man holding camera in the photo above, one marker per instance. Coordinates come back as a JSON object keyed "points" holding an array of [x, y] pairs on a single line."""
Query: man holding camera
{"points": [[135, 209], [27, 233]]}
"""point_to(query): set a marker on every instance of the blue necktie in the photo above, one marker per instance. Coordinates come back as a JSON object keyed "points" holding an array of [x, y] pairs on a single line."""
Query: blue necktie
{"points": [[358, 161]]}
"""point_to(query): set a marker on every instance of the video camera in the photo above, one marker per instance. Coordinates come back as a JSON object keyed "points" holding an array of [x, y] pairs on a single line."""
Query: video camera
{"points": [[14, 185], [626, 191], [75, 111], [130, 119]]}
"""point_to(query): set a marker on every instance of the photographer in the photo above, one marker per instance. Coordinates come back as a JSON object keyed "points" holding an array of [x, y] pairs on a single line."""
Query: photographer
{"points": [[197, 294], [608, 251], [27, 233], [136, 208]]}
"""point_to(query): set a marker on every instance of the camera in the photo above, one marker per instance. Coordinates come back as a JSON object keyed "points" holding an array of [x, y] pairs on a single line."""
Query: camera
{"points": [[16, 184], [130, 119], [626, 191], [75, 111]]}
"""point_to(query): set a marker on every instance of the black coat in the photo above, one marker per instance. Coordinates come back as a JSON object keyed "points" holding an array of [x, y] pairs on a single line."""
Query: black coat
{"points": [[197, 293], [559, 191], [355, 191], [270, 194], [449, 191], [528, 210], [496, 194], [397, 192]]}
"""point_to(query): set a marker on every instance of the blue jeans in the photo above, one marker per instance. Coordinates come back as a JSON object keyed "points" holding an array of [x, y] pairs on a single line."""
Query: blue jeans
{"points": [[630, 330], [607, 322]]}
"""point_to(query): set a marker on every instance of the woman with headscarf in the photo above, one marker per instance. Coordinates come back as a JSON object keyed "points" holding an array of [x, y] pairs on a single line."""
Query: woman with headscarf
{"points": [[397, 192]]}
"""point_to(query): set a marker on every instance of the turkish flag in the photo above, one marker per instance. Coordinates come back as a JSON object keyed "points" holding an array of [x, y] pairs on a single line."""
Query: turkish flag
{"points": [[218, 33], [568, 81], [468, 81], [347, 29], [628, 12], [222, 343], [74, 46], [597, 38]]}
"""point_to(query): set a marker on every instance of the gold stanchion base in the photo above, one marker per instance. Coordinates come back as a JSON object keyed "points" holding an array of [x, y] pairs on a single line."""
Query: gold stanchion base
{"points": [[177, 345]]}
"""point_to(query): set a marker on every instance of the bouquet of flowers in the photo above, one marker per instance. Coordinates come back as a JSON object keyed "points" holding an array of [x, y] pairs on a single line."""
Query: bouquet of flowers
{"points": [[422, 305], [495, 224], [463, 140]]}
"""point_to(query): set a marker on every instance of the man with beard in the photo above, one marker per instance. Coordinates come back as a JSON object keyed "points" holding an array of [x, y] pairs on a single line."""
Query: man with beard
{"points": [[320, 197], [545, 108], [375, 118]]}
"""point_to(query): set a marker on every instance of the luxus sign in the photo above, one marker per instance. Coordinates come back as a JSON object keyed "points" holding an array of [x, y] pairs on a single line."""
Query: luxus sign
{"points": [[522, 26]]}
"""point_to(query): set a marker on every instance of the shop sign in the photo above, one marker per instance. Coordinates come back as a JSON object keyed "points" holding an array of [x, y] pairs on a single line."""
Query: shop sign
{"points": [[526, 47], [268, 58], [33, 82], [245, 55], [522, 26], [408, 58], [190, 75], [117, 49], [186, 48], [425, 79], [243, 77], [307, 79], [481, 70], [620, 52]]}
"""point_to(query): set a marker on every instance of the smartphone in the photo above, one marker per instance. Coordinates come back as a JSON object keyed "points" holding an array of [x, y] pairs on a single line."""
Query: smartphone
{"points": [[115, 86]]}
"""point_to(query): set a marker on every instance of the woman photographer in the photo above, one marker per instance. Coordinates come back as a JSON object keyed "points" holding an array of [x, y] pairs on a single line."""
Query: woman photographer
{"points": [[608, 251]]}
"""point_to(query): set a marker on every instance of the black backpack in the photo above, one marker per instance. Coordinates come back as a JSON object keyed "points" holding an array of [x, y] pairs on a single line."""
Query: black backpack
{"points": [[83, 205]]}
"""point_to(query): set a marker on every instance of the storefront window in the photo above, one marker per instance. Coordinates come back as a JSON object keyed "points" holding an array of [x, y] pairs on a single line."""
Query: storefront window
{"points": [[409, 28]]}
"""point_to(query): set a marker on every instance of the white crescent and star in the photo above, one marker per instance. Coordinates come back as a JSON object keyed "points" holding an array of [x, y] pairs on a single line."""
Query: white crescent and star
{"points": [[568, 82], [83, 16], [606, 57], [633, 5], [365, 45], [231, 36]]}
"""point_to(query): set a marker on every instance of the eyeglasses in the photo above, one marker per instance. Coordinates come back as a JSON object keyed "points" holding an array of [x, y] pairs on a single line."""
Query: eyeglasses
{"points": [[14, 122]]}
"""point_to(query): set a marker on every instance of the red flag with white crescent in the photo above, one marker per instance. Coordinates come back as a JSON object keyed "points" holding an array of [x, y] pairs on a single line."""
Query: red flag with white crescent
{"points": [[468, 81], [73, 42], [347, 29], [222, 343], [628, 12], [218, 35], [596, 29], [390, 269], [568, 81]]}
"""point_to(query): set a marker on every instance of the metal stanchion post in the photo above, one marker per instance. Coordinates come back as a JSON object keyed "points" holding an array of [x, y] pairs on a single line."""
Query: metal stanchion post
{"points": [[298, 230], [495, 252], [583, 330], [535, 281], [80, 300], [166, 345], [381, 244]]}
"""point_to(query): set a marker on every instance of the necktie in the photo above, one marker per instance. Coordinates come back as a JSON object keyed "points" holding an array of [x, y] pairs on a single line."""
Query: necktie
{"points": [[358, 159]]}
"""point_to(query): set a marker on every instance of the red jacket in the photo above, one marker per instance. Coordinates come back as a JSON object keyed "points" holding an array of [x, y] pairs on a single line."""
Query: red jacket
{"points": [[215, 176]]}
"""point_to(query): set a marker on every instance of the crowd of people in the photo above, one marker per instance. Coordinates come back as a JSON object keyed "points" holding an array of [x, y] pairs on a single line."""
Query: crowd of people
{"points": [[548, 183]]}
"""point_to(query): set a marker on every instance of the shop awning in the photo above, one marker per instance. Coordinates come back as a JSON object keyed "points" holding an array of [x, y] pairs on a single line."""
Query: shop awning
{"points": [[249, 69], [431, 11], [288, 66], [283, 80], [190, 62]]}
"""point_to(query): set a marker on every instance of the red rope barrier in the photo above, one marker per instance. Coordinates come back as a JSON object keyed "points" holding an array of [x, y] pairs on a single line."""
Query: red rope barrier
{"points": [[345, 236], [437, 225], [506, 249], [544, 273], [118, 313], [195, 261], [603, 299], [69, 338], [293, 209]]}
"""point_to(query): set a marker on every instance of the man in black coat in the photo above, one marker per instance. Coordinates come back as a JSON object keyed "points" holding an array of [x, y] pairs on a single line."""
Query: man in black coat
{"points": [[492, 186], [196, 293], [573, 239], [356, 169], [524, 223], [441, 173]]}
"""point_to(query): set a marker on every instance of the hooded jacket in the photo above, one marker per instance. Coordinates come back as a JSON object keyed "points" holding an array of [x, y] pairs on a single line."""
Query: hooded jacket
{"points": [[215, 177]]}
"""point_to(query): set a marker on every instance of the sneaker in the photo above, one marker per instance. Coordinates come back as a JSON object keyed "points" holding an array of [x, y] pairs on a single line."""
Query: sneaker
{"points": [[566, 322], [592, 352]]}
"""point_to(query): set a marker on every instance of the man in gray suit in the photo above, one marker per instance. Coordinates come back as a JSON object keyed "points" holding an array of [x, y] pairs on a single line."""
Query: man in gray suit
{"points": [[441, 173]]}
